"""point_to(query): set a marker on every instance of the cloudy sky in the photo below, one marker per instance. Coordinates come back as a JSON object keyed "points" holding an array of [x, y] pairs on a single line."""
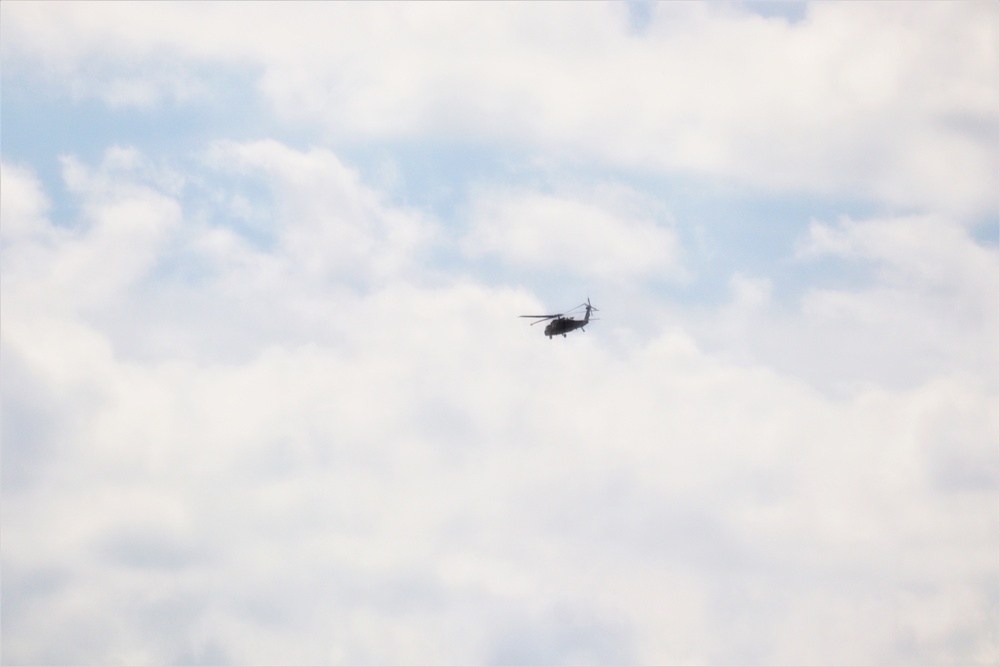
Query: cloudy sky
{"points": [[266, 398]]}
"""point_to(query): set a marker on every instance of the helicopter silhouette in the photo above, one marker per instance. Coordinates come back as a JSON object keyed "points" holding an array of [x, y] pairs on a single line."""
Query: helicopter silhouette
{"points": [[561, 324]]}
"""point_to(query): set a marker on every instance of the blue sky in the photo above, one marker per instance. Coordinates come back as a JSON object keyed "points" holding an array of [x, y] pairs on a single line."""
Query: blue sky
{"points": [[266, 398]]}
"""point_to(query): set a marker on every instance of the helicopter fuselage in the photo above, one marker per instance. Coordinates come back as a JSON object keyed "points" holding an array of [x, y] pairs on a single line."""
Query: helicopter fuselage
{"points": [[563, 325]]}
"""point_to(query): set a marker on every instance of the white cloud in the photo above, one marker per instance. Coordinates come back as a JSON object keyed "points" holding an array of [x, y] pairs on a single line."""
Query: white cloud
{"points": [[896, 103], [397, 470], [610, 232], [24, 205], [76, 268], [936, 306], [883, 301], [328, 223], [916, 251]]}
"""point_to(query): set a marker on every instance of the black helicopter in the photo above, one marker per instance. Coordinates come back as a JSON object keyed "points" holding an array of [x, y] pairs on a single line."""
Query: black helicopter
{"points": [[561, 324]]}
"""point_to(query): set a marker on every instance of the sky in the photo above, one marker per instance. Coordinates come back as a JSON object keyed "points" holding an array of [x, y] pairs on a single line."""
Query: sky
{"points": [[267, 398]]}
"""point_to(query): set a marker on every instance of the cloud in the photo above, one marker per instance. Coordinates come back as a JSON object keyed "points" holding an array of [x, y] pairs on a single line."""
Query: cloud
{"points": [[118, 240], [610, 233], [935, 306], [25, 207], [890, 301], [918, 251], [896, 104], [328, 222], [291, 456]]}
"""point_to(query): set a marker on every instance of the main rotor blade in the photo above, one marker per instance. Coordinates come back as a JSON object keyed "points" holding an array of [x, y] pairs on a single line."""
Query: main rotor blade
{"points": [[542, 318]]}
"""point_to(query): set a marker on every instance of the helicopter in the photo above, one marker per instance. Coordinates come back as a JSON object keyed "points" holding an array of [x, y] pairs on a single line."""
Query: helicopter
{"points": [[561, 324]]}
